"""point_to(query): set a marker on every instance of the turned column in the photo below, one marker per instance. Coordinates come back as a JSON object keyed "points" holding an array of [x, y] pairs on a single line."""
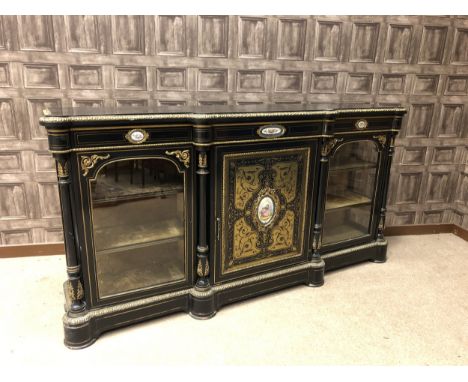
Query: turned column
{"points": [[327, 146], [386, 176], [73, 287], [203, 265]]}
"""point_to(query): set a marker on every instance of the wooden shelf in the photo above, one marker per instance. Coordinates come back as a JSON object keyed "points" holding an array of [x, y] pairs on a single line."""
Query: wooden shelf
{"points": [[341, 201], [118, 237], [116, 193], [345, 231], [356, 165], [134, 269]]}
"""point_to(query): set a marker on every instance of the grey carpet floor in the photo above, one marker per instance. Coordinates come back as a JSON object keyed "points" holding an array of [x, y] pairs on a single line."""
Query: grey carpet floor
{"points": [[412, 310]]}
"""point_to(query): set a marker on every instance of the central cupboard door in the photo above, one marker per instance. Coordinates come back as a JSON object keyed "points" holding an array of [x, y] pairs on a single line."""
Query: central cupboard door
{"points": [[262, 208]]}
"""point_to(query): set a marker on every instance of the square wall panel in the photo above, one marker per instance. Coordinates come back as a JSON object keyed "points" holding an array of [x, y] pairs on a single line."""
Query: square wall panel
{"points": [[451, 120], [5, 75], [86, 77], [433, 44], [408, 188], [82, 33], [251, 81], [420, 120], [425, 85], [290, 82], [171, 35], [212, 80], [41, 76], [252, 37], [398, 45], [36, 33], [324, 82], [128, 34], [460, 47], [130, 78], [328, 37], [291, 39], [364, 40], [213, 34]]}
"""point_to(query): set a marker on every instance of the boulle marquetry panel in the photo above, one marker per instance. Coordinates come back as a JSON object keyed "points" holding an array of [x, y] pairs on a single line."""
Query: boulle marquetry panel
{"points": [[419, 62], [264, 203]]}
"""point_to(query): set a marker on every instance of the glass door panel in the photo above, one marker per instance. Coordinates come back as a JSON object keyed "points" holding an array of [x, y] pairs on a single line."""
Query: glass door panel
{"points": [[138, 225], [350, 191]]}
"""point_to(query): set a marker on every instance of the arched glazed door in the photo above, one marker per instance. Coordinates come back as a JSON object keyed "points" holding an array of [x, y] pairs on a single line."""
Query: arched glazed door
{"points": [[138, 224], [350, 192]]}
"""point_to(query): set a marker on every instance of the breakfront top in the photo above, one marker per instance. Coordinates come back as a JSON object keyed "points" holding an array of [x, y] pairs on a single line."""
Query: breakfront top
{"points": [[207, 113]]}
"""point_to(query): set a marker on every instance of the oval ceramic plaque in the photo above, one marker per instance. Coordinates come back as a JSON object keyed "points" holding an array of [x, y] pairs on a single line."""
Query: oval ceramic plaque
{"points": [[265, 210], [137, 136], [271, 131]]}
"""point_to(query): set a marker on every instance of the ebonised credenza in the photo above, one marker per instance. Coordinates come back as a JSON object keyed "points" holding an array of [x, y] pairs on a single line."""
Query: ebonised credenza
{"points": [[189, 209]]}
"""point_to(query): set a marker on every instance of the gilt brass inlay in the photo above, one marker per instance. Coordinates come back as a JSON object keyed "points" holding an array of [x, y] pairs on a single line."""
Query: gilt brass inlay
{"points": [[217, 143], [135, 304], [202, 160], [316, 243], [245, 240], [247, 183], [182, 155], [88, 162], [282, 233], [382, 139], [208, 116], [73, 294], [286, 178], [329, 145], [382, 223], [62, 169], [264, 205], [73, 268], [203, 271]]}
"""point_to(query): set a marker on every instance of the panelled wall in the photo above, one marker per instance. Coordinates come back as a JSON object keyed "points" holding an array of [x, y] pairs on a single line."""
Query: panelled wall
{"points": [[418, 62]]}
